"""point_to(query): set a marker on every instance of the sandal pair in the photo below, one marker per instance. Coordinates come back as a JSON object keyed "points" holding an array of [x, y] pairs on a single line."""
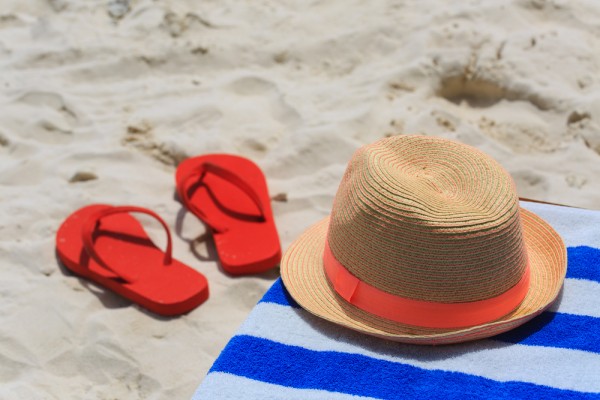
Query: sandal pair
{"points": [[108, 246]]}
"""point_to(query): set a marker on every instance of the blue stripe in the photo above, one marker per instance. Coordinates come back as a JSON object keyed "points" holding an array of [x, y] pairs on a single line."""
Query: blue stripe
{"points": [[584, 263], [297, 367], [558, 330], [278, 294]]}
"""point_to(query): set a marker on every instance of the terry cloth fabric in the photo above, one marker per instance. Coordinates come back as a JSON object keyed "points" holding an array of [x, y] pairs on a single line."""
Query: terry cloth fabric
{"points": [[283, 352]]}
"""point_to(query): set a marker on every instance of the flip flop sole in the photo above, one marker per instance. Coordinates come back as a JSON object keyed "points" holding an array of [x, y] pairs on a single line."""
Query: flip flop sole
{"points": [[247, 245], [168, 290]]}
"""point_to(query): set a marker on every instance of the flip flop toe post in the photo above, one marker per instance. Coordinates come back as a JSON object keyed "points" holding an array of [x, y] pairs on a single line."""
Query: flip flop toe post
{"points": [[108, 246]]}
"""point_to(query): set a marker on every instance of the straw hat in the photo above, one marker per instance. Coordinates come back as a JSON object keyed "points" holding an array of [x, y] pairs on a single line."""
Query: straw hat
{"points": [[426, 243]]}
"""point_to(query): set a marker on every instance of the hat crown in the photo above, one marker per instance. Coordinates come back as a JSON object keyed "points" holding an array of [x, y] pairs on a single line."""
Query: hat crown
{"points": [[428, 219]]}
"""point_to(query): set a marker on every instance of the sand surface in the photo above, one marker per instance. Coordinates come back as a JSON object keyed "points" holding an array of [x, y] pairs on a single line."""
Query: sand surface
{"points": [[100, 100]]}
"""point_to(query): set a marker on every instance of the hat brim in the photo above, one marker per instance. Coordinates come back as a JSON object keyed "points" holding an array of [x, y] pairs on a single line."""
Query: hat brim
{"points": [[304, 277]]}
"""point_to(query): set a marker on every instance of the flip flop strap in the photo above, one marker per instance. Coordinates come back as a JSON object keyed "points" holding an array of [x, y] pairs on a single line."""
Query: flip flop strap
{"points": [[223, 173], [93, 222]]}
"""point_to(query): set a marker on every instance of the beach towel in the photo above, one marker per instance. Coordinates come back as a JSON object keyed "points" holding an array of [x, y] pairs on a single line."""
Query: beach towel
{"points": [[283, 352]]}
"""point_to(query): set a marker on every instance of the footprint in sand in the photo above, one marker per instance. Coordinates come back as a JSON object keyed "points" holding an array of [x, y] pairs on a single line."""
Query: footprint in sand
{"points": [[245, 293], [41, 116], [10, 21], [262, 116], [531, 184], [141, 137], [580, 124], [23, 173]]}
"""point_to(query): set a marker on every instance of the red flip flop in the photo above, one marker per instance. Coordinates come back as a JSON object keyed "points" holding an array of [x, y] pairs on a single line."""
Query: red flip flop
{"points": [[109, 247], [229, 194]]}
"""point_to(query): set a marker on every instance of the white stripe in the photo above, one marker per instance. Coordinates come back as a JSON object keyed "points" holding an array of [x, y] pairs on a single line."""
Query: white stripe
{"points": [[224, 386], [553, 367], [577, 227], [579, 296]]}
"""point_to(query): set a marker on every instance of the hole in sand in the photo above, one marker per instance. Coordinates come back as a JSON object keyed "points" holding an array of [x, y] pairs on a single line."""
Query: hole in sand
{"points": [[82, 176], [481, 93], [4, 142], [476, 93], [576, 117]]}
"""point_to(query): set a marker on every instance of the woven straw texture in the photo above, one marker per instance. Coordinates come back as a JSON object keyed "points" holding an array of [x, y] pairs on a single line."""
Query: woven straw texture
{"points": [[429, 219], [440, 220]]}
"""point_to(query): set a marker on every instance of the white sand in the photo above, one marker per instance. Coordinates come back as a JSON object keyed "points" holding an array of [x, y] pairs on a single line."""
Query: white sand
{"points": [[121, 93]]}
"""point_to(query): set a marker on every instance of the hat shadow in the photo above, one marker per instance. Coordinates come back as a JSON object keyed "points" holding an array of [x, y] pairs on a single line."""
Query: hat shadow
{"points": [[427, 353], [525, 332]]}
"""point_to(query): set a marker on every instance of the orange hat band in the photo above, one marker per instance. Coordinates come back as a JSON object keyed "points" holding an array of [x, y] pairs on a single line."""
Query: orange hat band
{"points": [[427, 314]]}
